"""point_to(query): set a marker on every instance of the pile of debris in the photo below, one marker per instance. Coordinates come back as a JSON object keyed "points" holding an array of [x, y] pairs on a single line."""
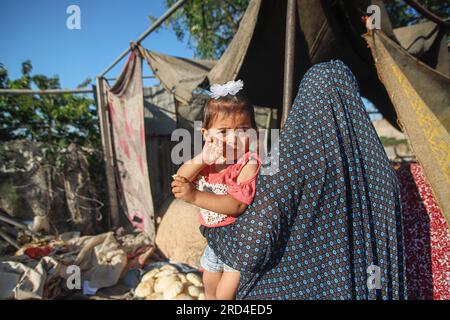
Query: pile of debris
{"points": [[70, 266], [48, 267], [52, 240]]}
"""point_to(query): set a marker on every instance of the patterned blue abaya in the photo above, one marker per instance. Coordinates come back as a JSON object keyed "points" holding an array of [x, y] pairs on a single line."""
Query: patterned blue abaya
{"points": [[327, 224]]}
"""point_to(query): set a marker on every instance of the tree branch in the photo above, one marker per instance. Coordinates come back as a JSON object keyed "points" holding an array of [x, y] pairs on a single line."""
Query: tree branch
{"points": [[428, 14], [231, 4]]}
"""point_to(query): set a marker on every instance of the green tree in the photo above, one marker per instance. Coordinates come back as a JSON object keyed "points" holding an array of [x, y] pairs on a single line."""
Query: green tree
{"points": [[55, 120], [209, 24]]}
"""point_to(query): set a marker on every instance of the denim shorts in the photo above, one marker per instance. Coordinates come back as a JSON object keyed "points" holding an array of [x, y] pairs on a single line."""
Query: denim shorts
{"points": [[210, 262]]}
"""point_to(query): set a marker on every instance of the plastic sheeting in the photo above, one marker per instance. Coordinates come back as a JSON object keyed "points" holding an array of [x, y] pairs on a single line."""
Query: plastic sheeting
{"points": [[179, 76], [426, 41]]}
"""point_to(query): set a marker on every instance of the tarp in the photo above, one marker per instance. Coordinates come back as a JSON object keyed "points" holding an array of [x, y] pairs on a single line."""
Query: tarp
{"points": [[427, 42], [126, 109], [159, 111], [325, 30], [432, 86], [421, 98], [180, 76]]}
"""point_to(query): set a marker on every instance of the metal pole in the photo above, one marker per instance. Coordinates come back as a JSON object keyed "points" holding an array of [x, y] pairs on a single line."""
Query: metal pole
{"points": [[288, 60], [107, 153], [10, 240], [152, 28], [13, 222], [48, 91], [143, 77]]}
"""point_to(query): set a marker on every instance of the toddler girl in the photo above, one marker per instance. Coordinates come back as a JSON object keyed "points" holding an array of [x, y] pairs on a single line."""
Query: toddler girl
{"points": [[224, 174]]}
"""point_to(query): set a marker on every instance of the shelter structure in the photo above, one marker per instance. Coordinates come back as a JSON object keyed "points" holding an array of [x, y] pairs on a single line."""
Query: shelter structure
{"points": [[409, 62]]}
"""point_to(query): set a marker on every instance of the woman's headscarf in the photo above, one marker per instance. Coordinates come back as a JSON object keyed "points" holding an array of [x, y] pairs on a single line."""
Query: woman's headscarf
{"points": [[327, 224]]}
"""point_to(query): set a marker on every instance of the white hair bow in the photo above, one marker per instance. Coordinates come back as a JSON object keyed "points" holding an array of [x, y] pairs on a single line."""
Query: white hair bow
{"points": [[229, 88]]}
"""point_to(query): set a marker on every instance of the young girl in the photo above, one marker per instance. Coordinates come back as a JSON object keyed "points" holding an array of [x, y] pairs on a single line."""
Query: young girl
{"points": [[225, 176]]}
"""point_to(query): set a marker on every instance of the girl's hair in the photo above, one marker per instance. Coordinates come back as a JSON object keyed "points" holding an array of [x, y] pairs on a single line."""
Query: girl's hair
{"points": [[226, 106]]}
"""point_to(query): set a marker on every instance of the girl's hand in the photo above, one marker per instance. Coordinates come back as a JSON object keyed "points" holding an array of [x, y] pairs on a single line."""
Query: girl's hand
{"points": [[212, 150], [183, 189]]}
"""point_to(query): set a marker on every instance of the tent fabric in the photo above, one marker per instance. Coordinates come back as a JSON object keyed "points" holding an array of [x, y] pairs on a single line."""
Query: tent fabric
{"points": [[325, 30], [231, 61], [126, 110], [256, 53], [321, 224], [180, 76], [420, 96], [159, 111], [416, 38], [431, 85], [426, 41]]}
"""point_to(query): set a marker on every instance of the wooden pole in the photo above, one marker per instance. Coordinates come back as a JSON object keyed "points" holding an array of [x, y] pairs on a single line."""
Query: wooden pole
{"points": [[105, 131], [289, 51]]}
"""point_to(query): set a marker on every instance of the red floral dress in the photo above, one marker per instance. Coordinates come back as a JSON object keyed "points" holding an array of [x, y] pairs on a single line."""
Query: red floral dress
{"points": [[225, 182]]}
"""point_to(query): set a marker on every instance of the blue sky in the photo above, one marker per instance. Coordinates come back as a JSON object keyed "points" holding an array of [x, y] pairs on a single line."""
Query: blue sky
{"points": [[36, 30]]}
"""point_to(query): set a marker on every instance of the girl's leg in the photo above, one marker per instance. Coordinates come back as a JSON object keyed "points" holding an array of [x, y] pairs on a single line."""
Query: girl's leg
{"points": [[210, 282], [228, 285]]}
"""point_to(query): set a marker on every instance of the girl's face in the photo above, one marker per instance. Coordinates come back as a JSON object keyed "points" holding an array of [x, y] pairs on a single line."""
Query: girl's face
{"points": [[230, 131]]}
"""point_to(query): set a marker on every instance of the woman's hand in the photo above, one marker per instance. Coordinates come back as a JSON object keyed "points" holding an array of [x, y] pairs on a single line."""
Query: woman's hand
{"points": [[183, 189]]}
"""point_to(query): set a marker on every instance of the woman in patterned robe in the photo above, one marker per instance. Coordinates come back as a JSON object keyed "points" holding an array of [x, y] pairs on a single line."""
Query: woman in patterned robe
{"points": [[326, 225]]}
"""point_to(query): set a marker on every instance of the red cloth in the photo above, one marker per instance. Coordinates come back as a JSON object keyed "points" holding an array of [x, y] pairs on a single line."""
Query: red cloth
{"points": [[427, 237], [38, 252], [225, 182]]}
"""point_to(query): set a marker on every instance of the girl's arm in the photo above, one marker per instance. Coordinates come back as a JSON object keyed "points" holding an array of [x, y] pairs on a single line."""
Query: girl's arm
{"points": [[191, 168], [183, 189], [220, 203]]}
